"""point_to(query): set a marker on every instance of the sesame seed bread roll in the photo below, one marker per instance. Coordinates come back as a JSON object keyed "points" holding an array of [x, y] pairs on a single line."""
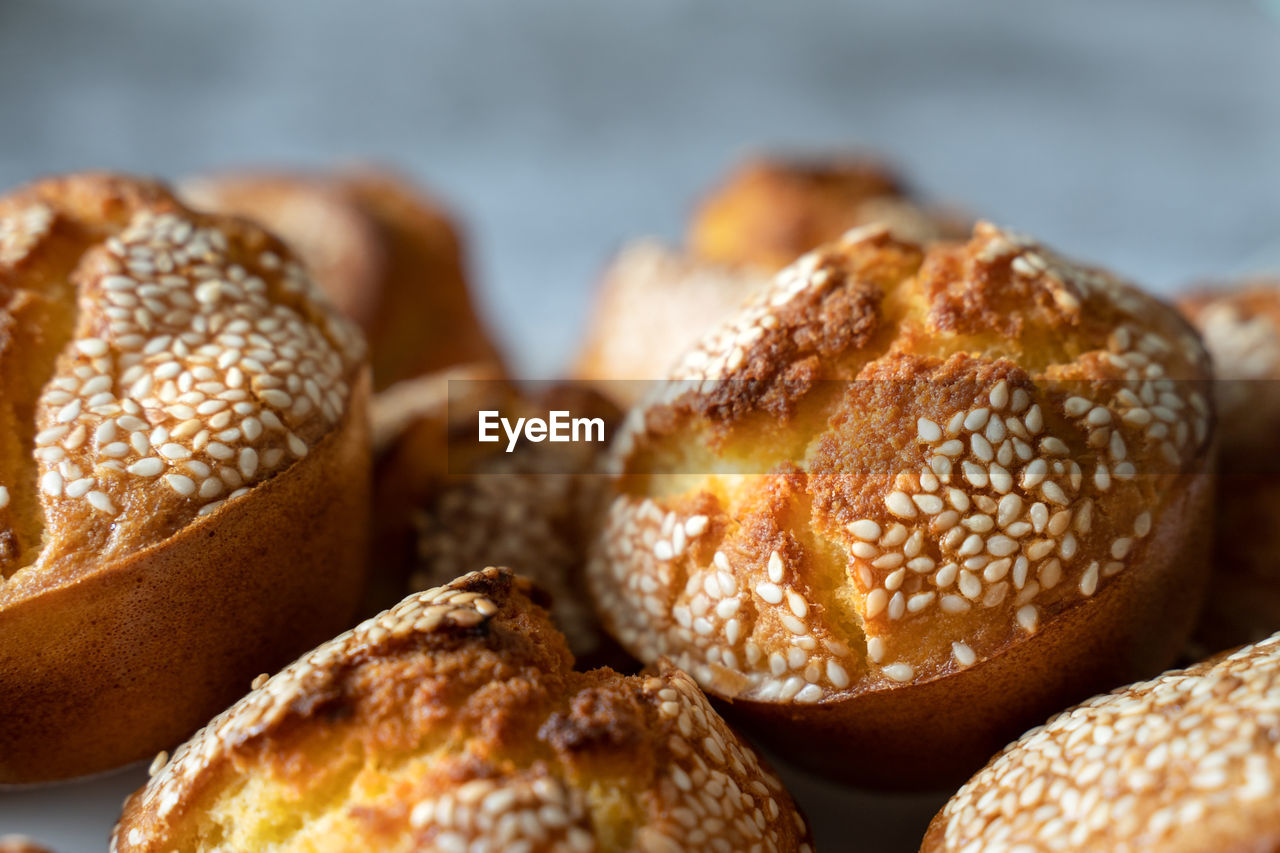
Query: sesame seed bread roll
{"points": [[454, 721], [911, 500], [183, 469], [1241, 329], [447, 505], [1185, 763], [770, 210], [387, 255]]}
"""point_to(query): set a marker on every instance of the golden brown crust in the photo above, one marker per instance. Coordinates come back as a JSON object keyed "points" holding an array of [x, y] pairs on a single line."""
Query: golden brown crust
{"points": [[453, 719], [1184, 763], [769, 211], [179, 407], [1241, 329], [388, 256], [900, 471]]}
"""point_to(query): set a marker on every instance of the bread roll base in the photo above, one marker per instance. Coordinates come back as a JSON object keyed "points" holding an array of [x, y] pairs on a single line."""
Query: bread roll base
{"points": [[110, 667], [906, 738]]}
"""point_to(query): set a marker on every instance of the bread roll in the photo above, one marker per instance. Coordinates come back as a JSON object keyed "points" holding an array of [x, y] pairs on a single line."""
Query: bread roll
{"points": [[455, 722], [911, 500], [770, 210], [450, 505], [19, 844], [654, 303], [1186, 762], [387, 255], [183, 469], [1241, 329]]}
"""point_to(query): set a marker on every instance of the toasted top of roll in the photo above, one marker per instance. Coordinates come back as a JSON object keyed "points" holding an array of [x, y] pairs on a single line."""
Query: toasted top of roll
{"points": [[961, 444], [1185, 762], [154, 363], [454, 721], [770, 210]]}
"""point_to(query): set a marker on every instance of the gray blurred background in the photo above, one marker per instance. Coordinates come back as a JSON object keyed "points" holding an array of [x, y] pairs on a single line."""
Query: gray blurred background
{"points": [[1143, 134]]}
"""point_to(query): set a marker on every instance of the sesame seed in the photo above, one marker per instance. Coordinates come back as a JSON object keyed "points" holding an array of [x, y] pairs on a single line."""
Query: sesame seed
{"points": [[1142, 526], [899, 672], [1053, 446], [865, 529], [92, 347], [927, 430], [929, 504], [181, 484], [1034, 473], [1053, 493], [81, 487], [1077, 406], [977, 477], [1089, 581], [101, 502], [1001, 546], [770, 592], [999, 396], [900, 505], [51, 483]]}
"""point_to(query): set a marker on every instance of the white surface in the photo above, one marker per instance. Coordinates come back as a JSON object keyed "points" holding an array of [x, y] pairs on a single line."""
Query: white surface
{"points": [[1144, 134]]}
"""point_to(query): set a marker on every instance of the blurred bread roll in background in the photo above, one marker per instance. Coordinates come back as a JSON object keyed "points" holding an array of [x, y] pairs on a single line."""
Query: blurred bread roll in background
{"points": [[19, 844], [1241, 329], [447, 504], [910, 500], [769, 210], [184, 469], [653, 303], [388, 255], [454, 721]]}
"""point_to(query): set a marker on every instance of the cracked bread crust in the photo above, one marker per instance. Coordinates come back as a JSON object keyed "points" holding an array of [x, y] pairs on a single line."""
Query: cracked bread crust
{"points": [[179, 408], [903, 476], [455, 721]]}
